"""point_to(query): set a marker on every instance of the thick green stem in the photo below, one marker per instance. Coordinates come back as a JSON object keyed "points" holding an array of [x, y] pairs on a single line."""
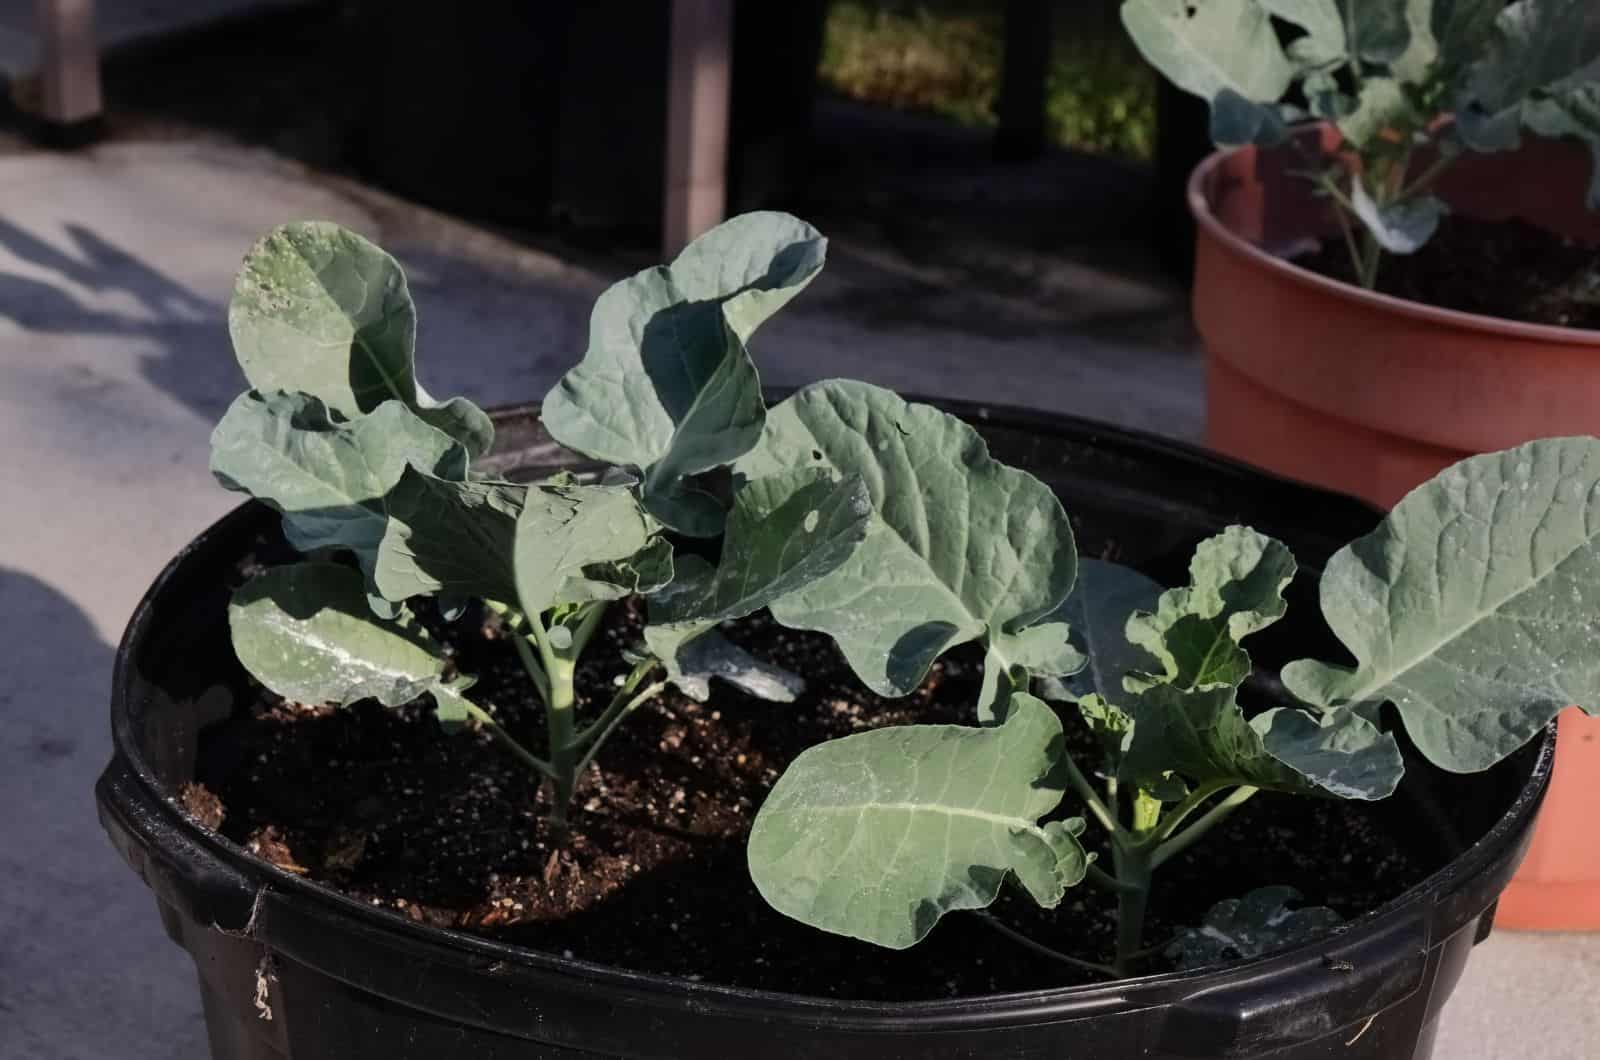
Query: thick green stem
{"points": [[560, 667], [1133, 874]]}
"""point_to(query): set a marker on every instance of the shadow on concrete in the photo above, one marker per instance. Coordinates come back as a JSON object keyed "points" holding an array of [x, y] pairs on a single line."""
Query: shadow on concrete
{"points": [[83, 963], [186, 332]]}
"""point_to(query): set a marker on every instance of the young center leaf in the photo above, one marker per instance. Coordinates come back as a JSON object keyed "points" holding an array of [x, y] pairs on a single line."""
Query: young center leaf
{"points": [[878, 835], [319, 310], [1473, 606], [327, 475], [958, 546], [305, 632], [667, 385], [1187, 718], [576, 543]]}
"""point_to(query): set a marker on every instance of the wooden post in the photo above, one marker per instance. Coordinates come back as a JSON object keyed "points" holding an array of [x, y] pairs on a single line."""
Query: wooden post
{"points": [[69, 66], [1024, 77], [698, 69]]}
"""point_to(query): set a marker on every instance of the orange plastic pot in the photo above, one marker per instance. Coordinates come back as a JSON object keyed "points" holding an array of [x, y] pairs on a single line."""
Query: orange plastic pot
{"points": [[1369, 394]]}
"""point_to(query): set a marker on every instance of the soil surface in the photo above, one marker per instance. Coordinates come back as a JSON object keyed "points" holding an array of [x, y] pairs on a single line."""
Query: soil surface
{"points": [[1507, 269], [448, 829]]}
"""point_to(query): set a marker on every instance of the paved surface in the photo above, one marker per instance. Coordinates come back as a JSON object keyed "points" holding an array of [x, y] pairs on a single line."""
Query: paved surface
{"points": [[114, 270]]}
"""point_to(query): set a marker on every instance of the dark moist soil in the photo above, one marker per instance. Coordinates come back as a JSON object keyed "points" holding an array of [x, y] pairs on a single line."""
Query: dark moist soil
{"points": [[448, 829], [1507, 269]]}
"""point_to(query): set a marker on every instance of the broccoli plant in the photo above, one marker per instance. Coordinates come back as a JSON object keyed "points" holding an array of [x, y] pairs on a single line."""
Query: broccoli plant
{"points": [[1471, 609], [1409, 84], [375, 484]]}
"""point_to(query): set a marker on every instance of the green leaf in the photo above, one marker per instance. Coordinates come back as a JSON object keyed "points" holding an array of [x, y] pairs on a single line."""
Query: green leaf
{"points": [[1472, 607], [1258, 923], [1236, 121], [1538, 44], [1106, 596], [666, 384], [692, 657], [878, 835], [1188, 720], [304, 631], [1383, 29], [1205, 46], [317, 309], [328, 476], [578, 543], [1236, 583], [958, 546], [786, 531], [1323, 22], [1400, 227], [454, 538]]}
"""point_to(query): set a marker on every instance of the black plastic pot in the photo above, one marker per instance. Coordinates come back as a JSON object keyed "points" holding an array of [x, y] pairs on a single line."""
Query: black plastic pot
{"points": [[289, 968]]}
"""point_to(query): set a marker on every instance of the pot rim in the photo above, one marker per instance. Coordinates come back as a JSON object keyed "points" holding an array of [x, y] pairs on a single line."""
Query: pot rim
{"points": [[1200, 184], [720, 1000]]}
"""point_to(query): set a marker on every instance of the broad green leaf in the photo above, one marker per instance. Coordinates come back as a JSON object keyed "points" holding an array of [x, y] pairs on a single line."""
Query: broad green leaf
{"points": [[1400, 227], [1258, 923], [958, 546], [304, 631], [1205, 46], [1381, 31], [1105, 597], [692, 657], [327, 475], [454, 538], [1473, 606], [666, 384], [1236, 121], [577, 543], [1537, 44], [786, 530], [317, 309], [1323, 22], [878, 835], [1187, 719]]}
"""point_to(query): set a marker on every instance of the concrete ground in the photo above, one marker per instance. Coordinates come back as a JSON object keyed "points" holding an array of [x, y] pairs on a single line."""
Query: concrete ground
{"points": [[114, 271]]}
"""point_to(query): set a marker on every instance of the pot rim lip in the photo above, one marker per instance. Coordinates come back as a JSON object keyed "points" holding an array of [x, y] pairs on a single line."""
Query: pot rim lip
{"points": [[1199, 201], [716, 999]]}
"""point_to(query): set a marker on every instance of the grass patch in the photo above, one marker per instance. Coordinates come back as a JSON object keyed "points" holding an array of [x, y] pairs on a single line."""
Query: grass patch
{"points": [[945, 58]]}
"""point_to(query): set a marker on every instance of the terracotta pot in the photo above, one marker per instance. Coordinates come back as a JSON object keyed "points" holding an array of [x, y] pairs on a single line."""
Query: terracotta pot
{"points": [[1369, 394]]}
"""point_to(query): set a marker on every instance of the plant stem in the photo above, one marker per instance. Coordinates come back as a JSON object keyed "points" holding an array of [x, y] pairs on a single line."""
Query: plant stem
{"points": [[1133, 873], [596, 731], [1103, 879], [614, 714], [1179, 813], [560, 667], [536, 672], [1086, 792], [1178, 844], [1040, 948], [486, 719]]}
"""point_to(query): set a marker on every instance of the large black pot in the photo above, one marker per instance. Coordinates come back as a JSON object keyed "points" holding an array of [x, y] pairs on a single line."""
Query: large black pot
{"points": [[289, 968]]}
